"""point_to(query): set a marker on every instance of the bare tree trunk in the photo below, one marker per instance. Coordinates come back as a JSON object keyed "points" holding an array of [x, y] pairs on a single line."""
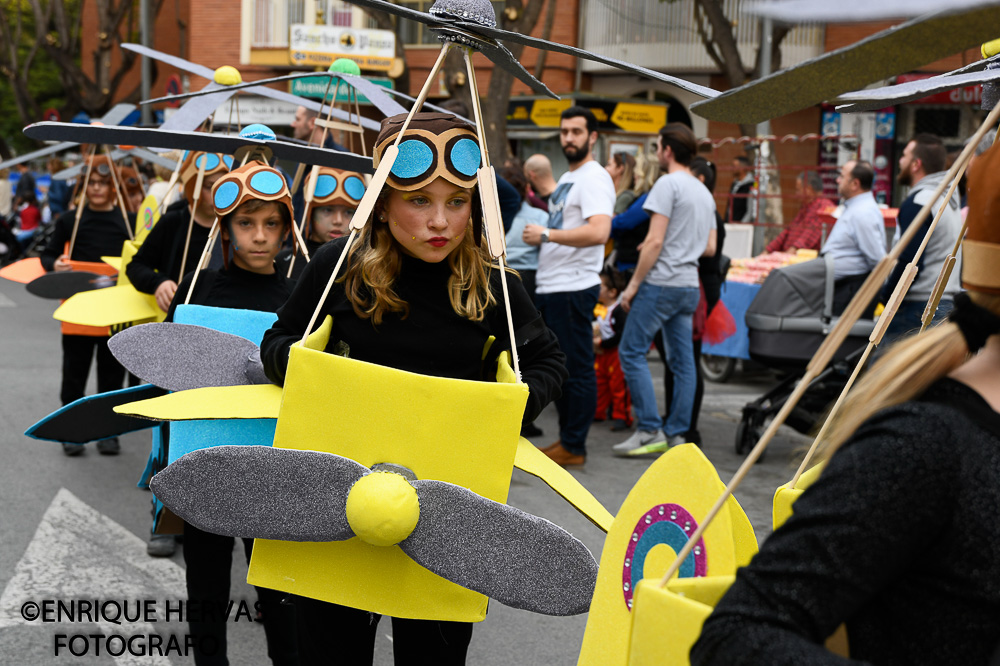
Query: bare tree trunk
{"points": [[550, 15]]}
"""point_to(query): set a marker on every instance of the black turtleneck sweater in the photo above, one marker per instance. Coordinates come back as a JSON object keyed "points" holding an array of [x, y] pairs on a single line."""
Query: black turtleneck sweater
{"points": [[285, 257], [159, 257], [234, 288], [100, 234], [899, 538], [431, 339]]}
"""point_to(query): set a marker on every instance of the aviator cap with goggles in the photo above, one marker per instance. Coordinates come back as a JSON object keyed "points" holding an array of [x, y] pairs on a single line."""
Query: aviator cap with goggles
{"points": [[251, 181], [335, 187], [435, 145], [193, 160]]}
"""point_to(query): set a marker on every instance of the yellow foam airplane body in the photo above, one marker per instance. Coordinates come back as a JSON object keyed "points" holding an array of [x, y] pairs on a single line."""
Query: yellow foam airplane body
{"points": [[382, 415]]}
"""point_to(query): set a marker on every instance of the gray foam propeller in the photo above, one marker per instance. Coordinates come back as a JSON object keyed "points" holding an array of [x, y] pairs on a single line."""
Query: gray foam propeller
{"points": [[473, 23], [902, 48], [855, 11], [179, 357], [520, 560], [189, 119], [877, 98], [212, 143]]}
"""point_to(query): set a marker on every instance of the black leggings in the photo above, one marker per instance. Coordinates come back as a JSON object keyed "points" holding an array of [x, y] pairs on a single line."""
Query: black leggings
{"points": [[208, 558], [78, 352], [334, 634]]}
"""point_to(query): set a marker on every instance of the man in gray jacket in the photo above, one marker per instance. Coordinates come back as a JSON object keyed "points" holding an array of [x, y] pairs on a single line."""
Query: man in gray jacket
{"points": [[922, 167]]}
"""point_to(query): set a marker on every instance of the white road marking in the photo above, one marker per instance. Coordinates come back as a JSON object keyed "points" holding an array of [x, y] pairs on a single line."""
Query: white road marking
{"points": [[79, 553]]}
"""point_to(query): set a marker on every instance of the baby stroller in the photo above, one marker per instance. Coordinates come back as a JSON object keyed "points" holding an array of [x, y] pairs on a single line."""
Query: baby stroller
{"points": [[787, 322]]}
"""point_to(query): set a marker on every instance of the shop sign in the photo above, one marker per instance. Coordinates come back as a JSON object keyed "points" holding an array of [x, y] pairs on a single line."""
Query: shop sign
{"points": [[320, 45], [316, 86], [611, 115]]}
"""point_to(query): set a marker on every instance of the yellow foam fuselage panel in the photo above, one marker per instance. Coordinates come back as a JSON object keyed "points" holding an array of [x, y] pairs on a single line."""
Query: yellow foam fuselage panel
{"points": [[462, 432], [661, 511]]}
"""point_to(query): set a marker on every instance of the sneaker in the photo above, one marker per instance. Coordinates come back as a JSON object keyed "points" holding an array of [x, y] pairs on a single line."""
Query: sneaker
{"points": [[161, 545], [71, 449], [618, 425], [640, 438], [109, 447], [677, 440]]}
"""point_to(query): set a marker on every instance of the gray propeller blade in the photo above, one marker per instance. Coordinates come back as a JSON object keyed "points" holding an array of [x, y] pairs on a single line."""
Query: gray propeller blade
{"points": [[117, 114], [535, 42], [375, 94], [179, 357], [520, 560], [902, 48], [854, 11], [878, 98], [190, 116], [261, 492], [227, 91], [213, 143], [172, 60], [498, 53]]}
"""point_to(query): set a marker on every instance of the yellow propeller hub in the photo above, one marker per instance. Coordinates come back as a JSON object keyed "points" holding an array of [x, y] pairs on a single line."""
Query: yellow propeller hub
{"points": [[382, 508], [228, 75]]}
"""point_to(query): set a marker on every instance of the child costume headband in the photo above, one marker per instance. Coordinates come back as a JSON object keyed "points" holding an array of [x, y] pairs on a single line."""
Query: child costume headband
{"points": [[335, 187], [193, 160], [435, 145], [251, 181]]}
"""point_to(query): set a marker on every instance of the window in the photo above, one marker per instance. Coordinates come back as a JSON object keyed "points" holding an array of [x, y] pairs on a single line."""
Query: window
{"points": [[271, 19]]}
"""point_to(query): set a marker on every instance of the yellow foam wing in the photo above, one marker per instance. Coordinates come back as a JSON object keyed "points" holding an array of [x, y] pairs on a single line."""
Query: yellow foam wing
{"points": [[256, 401], [529, 459], [113, 306]]}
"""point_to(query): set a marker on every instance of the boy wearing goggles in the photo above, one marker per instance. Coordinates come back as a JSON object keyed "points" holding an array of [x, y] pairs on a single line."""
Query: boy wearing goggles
{"points": [[255, 211], [420, 293]]}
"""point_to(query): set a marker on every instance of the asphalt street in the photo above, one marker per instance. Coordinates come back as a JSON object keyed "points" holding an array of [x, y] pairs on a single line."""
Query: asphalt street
{"points": [[75, 528]]}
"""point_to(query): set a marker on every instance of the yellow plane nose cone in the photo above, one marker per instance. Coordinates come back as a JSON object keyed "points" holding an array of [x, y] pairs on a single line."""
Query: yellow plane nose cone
{"points": [[382, 508], [228, 76]]}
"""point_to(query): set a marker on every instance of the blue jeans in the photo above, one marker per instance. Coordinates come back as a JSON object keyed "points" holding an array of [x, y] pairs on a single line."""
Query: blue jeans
{"points": [[568, 314], [669, 309], [907, 319]]}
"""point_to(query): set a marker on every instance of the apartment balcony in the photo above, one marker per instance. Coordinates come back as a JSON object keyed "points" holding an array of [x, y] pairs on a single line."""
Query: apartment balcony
{"points": [[662, 36]]}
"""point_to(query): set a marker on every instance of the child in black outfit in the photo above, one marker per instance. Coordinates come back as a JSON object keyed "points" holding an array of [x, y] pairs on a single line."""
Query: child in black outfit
{"points": [[254, 226], [101, 232]]}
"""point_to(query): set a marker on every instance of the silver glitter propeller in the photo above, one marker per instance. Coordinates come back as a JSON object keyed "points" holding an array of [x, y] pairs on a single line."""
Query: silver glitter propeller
{"points": [[520, 560], [472, 23]]}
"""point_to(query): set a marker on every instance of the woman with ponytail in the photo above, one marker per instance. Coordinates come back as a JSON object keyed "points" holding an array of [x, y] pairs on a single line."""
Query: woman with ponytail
{"points": [[899, 538]]}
